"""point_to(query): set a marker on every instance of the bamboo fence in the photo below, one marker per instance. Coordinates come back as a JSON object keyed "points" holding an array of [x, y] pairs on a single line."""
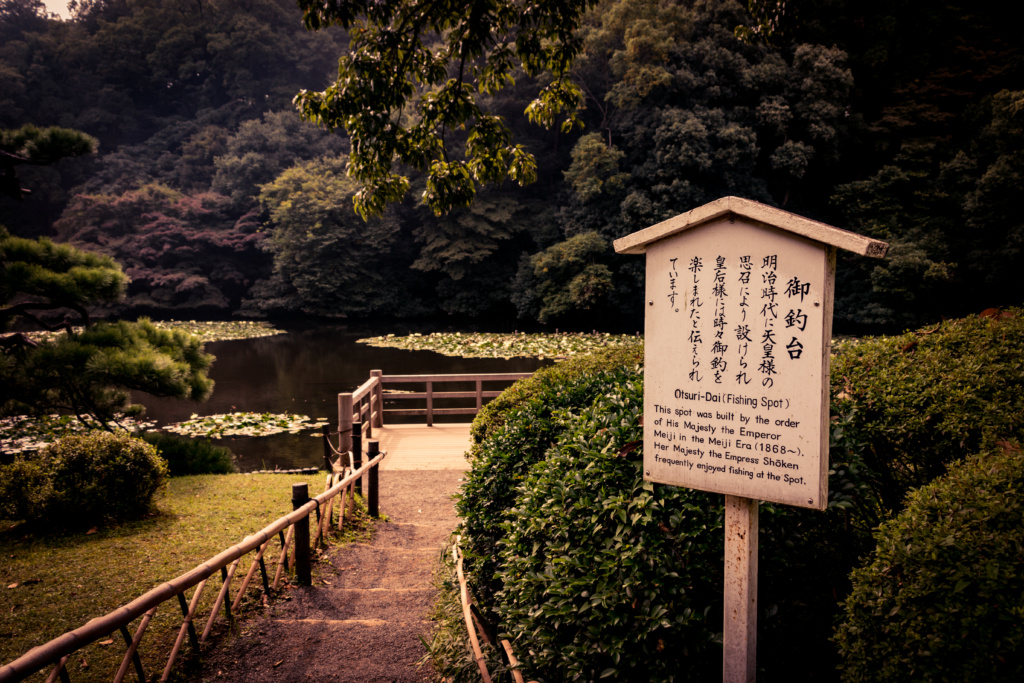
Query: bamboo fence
{"points": [[476, 629], [56, 652]]}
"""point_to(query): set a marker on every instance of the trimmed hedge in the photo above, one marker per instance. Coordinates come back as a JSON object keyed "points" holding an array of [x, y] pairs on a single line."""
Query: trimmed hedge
{"points": [[604, 574], [918, 401], [513, 432], [83, 480], [943, 596], [903, 408]]}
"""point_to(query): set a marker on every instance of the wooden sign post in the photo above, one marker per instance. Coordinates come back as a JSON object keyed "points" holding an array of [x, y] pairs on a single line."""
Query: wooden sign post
{"points": [[737, 332]]}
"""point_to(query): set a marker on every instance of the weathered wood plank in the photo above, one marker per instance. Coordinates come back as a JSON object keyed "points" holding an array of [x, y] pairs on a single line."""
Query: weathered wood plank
{"points": [[418, 447], [492, 377]]}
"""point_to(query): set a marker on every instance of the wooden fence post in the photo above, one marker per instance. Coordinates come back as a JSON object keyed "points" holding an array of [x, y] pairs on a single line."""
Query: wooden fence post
{"points": [[372, 451], [430, 404], [303, 575], [344, 422], [368, 422], [377, 398], [327, 447], [357, 453]]}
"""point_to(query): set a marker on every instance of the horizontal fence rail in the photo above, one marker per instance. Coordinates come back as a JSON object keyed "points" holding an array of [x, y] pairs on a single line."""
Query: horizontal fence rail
{"points": [[56, 652], [366, 404], [430, 395]]}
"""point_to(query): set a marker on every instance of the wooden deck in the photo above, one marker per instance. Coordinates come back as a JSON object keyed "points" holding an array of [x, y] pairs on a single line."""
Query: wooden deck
{"points": [[419, 447]]}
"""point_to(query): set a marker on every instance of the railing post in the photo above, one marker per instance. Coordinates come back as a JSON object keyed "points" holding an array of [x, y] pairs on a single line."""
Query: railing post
{"points": [[357, 453], [372, 451], [344, 422], [303, 575], [368, 423], [327, 447], [479, 395], [377, 397], [430, 404]]}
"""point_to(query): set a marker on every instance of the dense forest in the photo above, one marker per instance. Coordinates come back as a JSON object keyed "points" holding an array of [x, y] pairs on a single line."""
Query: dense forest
{"points": [[900, 120]]}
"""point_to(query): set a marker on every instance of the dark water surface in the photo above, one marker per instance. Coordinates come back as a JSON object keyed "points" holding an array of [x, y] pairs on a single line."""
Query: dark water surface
{"points": [[302, 372]]}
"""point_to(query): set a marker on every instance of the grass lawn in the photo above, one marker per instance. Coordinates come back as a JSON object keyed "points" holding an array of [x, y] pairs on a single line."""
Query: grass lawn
{"points": [[52, 584]]}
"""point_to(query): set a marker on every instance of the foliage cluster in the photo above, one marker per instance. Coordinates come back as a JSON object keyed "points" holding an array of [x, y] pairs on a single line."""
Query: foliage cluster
{"points": [[91, 373], [321, 248], [425, 68], [513, 432], [895, 120], [191, 456], [940, 599], [605, 575], [555, 491], [82, 480], [915, 402], [190, 252], [90, 369]]}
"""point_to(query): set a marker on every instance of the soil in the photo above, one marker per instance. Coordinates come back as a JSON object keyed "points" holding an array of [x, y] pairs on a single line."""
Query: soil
{"points": [[363, 617]]}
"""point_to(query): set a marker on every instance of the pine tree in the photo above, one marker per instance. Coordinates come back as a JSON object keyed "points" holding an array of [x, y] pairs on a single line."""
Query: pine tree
{"points": [[86, 368]]}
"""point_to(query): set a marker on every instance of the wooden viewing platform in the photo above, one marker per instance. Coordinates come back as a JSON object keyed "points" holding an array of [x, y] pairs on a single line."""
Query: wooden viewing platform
{"points": [[419, 447], [433, 446]]}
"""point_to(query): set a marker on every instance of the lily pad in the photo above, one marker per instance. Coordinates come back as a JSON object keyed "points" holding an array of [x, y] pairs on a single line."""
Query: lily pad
{"points": [[244, 424], [222, 331], [24, 433], [504, 345], [205, 330]]}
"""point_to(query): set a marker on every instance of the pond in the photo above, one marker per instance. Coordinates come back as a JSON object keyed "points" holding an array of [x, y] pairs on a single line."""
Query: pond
{"points": [[303, 371]]}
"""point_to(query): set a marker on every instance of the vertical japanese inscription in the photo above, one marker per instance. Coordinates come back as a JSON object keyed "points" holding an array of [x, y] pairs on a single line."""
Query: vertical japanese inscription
{"points": [[733, 399], [696, 265]]}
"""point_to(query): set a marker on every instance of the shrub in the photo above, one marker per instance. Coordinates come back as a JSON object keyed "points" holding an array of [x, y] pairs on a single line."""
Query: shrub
{"points": [[921, 400], [186, 456], [604, 574], [806, 554], [943, 596], [513, 432], [83, 480], [546, 474], [546, 383]]}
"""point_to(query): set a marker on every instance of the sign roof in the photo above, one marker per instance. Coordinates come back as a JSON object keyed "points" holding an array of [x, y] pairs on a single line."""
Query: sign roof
{"points": [[637, 242]]}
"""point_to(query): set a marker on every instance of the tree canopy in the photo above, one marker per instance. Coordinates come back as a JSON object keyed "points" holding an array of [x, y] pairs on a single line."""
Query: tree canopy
{"points": [[889, 118], [414, 77]]}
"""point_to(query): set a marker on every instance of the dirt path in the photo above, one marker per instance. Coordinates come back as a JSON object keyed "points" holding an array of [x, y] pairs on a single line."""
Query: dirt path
{"points": [[362, 619]]}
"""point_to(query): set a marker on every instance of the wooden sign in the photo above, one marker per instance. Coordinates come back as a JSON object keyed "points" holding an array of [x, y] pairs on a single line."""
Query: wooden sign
{"points": [[737, 331], [736, 360]]}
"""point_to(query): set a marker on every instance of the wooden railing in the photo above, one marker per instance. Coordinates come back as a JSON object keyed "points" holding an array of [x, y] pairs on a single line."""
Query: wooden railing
{"points": [[366, 404], [56, 652]]}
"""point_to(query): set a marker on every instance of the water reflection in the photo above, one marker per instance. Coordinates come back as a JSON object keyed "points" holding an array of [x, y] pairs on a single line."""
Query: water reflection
{"points": [[303, 372]]}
